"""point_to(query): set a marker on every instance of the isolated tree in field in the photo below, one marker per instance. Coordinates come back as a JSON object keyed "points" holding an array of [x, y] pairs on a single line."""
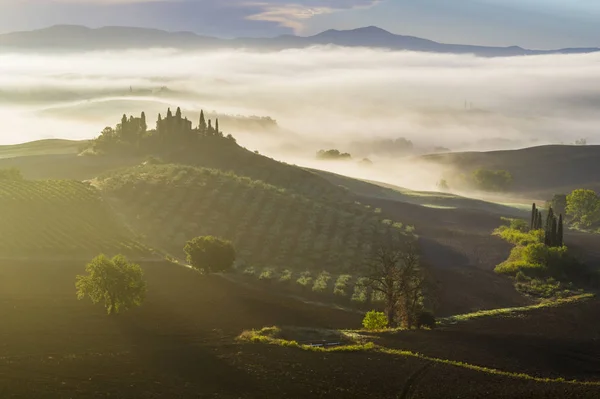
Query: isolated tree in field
{"points": [[583, 206], [116, 282], [533, 216], [210, 254], [397, 275]]}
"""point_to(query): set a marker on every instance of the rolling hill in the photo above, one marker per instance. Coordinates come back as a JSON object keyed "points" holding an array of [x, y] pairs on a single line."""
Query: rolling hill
{"points": [[269, 225], [182, 343], [538, 172], [59, 218], [74, 38]]}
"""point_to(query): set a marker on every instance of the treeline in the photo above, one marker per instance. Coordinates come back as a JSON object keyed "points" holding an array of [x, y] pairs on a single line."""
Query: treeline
{"points": [[553, 228], [133, 134], [480, 179]]}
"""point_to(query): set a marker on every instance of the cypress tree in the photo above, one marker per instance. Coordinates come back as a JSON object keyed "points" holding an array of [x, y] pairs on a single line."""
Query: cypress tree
{"points": [[554, 235], [210, 128], [202, 125], [143, 124], [533, 217], [559, 232], [217, 126], [169, 113], [178, 113], [159, 124], [540, 221]]}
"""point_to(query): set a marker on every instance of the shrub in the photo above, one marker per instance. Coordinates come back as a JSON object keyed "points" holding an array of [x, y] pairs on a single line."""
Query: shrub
{"points": [[425, 318], [210, 254], [492, 180], [342, 285], [286, 276], [360, 291], [322, 282], [375, 320], [305, 279], [267, 274]]}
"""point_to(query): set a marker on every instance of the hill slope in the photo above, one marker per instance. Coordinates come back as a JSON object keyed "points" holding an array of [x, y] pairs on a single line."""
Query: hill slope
{"points": [[537, 171], [67, 37], [181, 343], [269, 225], [58, 218]]}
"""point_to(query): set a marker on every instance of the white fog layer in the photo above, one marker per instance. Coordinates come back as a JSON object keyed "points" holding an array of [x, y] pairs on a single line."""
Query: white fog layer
{"points": [[321, 98]]}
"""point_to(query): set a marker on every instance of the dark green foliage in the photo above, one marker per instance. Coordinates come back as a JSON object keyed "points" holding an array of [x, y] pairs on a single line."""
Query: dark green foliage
{"points": [[210, 254], [558, 203], [583, 207], [116, 282], [426, 319], [333, 155], [492, 180], [560, 232], [533, 217], [552, 238]]}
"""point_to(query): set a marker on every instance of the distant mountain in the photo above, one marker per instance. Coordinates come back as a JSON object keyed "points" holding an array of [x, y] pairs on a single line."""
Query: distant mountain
{"points": [[72, 38]]}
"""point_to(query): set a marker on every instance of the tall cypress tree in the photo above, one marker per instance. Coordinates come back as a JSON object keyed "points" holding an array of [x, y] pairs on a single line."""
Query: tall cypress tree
{"points": [[202, 125], [211, 131], [217, 126], [178, 113], [533, 217], [540, 220], [169, 113], [559, 232], [143, 124]]}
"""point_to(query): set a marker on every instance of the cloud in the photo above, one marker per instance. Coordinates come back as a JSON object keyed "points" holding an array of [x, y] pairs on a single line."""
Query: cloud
{"points": [[292, 15]]}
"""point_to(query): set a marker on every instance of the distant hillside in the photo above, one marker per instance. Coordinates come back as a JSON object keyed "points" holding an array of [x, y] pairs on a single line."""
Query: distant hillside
{"points": [[538, 171], [269, 225], [59, 218], [67, 37]]}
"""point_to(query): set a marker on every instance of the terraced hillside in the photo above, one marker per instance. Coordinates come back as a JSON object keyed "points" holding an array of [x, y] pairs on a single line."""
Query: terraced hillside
{"points": [[58, 218], [269, 226]]}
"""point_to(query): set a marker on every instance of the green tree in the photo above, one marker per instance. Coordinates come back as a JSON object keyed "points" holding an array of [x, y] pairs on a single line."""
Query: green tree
{"points": [[375, 320], [560, 233], [202, 126], [210, 254], [143, 124], [117, 282], [533, 217], [583, 206], [178, 113], [492, 180], [398, 276]]}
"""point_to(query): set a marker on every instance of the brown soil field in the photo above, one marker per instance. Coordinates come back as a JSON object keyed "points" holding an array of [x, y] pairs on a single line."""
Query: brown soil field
{"points": [[181, 344]]}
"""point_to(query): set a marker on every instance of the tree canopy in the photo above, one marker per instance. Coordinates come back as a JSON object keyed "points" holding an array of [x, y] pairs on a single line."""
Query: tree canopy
{"points": [[116, 282], [210, 254], [583, 207]]}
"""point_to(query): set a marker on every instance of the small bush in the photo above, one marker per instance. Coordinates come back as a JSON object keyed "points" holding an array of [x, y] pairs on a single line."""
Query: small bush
{"points": [[425, 318], [342, 285], [267, 274], [286, 276], [375, 320], [360, 291], [305, 279], [322, 282]]}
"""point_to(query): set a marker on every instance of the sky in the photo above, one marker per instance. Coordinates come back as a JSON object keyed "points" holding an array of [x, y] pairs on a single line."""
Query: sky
{"points": [[542, 24]]}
